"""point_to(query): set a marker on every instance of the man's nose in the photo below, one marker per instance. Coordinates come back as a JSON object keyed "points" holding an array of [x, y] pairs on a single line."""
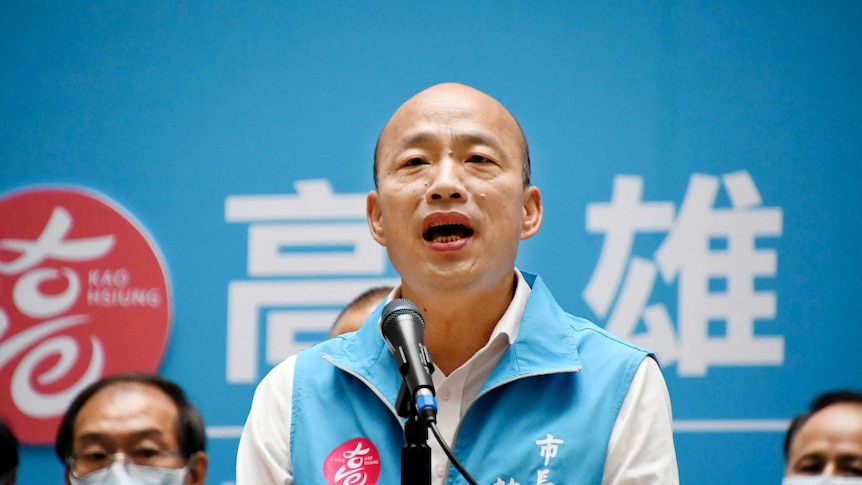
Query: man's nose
{"points": [[447, 183]]}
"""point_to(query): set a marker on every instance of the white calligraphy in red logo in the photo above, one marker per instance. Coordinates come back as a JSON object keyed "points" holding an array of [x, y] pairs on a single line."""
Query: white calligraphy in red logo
{"points": [[83, 294], [355, 462]]}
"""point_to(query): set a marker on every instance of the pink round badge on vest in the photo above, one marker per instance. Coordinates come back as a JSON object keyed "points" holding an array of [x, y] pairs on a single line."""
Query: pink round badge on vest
{"points": [[83, 294], [355, 462]]}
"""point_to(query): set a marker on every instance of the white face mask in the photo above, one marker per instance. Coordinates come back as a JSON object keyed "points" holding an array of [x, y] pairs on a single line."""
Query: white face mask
{"points": [[128, 474], [820, 480]]}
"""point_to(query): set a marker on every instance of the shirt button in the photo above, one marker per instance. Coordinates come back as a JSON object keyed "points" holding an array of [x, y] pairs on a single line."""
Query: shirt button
{"points": [[446, 395], [439, 470]]}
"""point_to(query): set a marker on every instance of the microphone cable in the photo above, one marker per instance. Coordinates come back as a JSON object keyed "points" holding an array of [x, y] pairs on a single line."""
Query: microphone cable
{"points": [[450, 455]]}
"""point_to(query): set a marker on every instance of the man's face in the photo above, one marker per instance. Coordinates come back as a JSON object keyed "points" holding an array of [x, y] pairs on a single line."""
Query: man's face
{"points": [[829, 443], [135, 419], [451, 206]]}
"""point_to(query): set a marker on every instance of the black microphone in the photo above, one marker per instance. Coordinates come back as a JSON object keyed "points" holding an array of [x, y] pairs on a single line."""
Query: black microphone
{"points": [[404, 332]]}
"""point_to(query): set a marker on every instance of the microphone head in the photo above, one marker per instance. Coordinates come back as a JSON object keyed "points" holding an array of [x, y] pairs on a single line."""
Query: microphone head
{"points": [[396, 308], [402, 325], [403, 330]]}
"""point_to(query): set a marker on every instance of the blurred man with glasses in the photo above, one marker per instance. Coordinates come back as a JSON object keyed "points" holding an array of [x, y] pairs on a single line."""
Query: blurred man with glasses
{"points": [[132, 429]]}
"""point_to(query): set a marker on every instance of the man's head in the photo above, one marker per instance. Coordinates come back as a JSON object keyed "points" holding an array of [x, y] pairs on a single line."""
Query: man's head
{"points": [[352, 316], [525, 149], [144, 417], [453, 198], [826, 440], [8, 455]]}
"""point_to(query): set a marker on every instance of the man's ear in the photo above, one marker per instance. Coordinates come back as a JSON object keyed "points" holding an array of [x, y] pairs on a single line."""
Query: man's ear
{"points": [[532, 212], [375, 219], [199, 463]]}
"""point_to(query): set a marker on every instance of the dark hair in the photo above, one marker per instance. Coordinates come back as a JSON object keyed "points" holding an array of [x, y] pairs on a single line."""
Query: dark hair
{"points": [[375, 293], [8, 450], [823, 400], [190, 429]]}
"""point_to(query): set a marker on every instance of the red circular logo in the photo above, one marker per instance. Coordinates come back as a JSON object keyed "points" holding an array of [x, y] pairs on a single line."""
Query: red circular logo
{"points": [[355, 462], [83, 294]]}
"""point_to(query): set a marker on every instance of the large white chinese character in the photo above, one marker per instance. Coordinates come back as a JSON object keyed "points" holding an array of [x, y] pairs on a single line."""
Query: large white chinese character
{"points": [[313, 233], [320, 232], [711, 253], [619, 221]]}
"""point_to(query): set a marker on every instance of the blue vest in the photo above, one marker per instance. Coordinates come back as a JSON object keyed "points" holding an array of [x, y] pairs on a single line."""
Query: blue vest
{"points": [[545, 415]]}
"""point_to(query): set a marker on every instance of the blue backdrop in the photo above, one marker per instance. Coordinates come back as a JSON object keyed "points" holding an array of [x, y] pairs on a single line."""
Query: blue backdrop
{"points": [[699, 163]]}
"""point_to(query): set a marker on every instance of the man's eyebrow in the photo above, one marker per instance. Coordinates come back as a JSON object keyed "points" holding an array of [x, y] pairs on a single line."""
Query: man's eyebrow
{"points": [[418, 138], [470, 138], [147, 433], [95, 437], [91, 438], [811, 455], [480, 139]]}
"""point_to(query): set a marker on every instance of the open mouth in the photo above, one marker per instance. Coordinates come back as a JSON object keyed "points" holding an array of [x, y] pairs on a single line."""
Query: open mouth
{"points": [[446, 233]]}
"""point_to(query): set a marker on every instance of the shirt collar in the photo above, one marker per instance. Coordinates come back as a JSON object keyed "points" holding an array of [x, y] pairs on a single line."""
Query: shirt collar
{"points": [[510, 322]]}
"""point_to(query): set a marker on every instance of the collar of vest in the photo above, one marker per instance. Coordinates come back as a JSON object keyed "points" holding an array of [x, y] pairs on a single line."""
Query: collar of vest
{"points": [[547, 343]]}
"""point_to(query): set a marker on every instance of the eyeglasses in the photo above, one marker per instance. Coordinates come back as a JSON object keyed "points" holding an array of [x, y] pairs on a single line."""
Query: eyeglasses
{"points": [[89, 462]]}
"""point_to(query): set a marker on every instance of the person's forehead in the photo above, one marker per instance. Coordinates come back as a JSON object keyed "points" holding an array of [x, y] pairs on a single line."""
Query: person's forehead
{"points": [[841, 422], [127, 407], [842, 413], [470, 114]]}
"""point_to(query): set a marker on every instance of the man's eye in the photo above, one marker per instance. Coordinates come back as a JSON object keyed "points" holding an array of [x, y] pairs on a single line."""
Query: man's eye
{"points": [[95, 456], [412, 162], [478, 159], [852, 469], [146, 453], [811, 468]]}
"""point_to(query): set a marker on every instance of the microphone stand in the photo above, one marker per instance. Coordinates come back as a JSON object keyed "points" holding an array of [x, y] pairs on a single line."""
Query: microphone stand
{"points": [[415, 454]]}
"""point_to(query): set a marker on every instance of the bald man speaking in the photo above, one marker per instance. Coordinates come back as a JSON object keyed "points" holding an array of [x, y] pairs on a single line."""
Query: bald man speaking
{"points": [[527, 393]]}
